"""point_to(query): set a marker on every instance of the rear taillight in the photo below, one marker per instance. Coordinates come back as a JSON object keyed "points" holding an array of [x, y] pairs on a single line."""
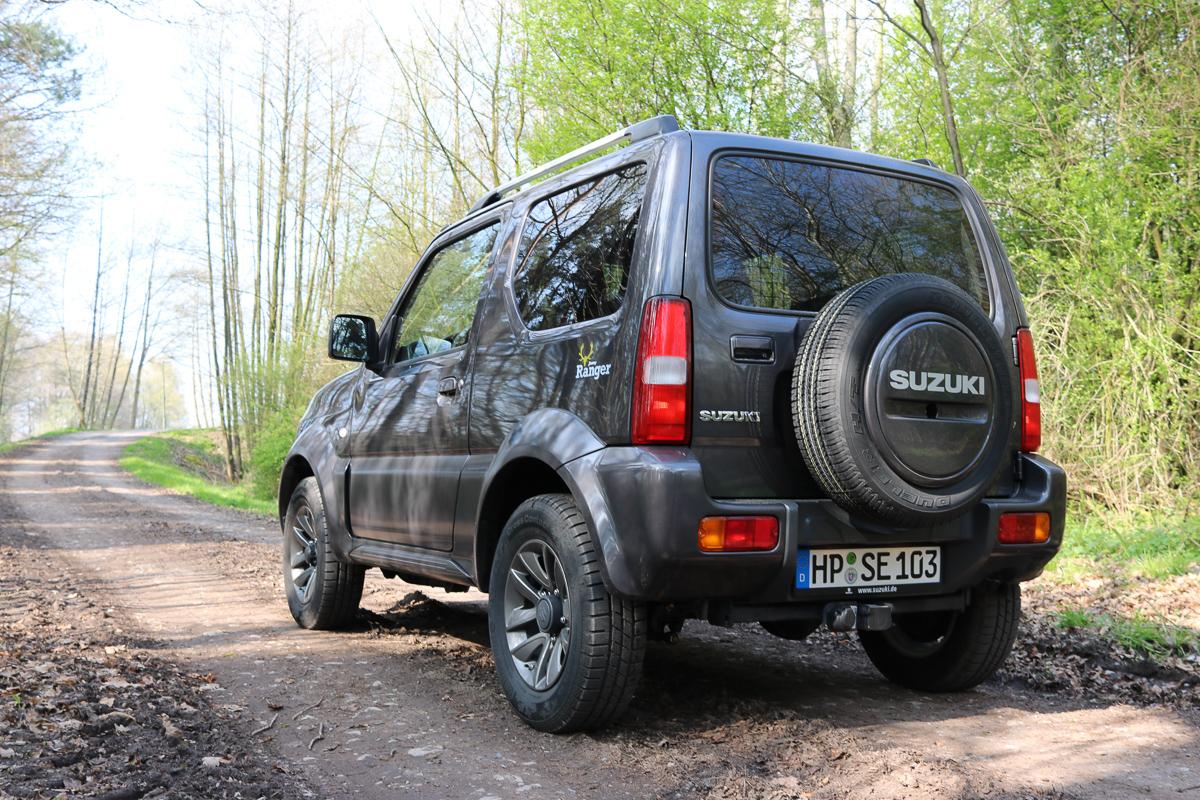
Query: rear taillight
{"points": [[1024, 528], [1031, 399], [738, 534], [664, 373]]}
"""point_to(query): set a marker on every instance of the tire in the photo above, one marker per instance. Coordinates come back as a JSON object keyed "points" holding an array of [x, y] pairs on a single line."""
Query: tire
{"points": [[328, 597], [902, 399], [794, 630], [583, 673], [973, 643]]}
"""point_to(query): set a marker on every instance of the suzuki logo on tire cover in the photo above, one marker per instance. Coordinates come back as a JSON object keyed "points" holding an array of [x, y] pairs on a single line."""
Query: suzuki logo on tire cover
{"points": [[943, 382]]}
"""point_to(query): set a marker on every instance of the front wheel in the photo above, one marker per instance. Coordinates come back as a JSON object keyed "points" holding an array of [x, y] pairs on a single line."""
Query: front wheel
{"points": [[945, 651], [568, 653], [322, 592]]}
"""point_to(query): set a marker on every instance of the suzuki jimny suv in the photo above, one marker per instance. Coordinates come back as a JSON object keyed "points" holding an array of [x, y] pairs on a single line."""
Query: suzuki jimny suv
{"points": [[705, 375]]}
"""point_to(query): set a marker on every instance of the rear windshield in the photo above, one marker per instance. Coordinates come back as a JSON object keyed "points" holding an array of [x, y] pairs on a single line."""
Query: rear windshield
{"points": [[789, 235]]}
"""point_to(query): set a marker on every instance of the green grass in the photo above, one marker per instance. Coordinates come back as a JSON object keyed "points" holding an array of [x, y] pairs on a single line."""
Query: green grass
{"points": [[1138, 632], [1099, 544], [187, 462], [7, 446], [1073, 618]]}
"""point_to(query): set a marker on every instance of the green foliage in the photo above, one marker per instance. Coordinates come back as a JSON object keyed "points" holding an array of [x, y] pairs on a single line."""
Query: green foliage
{"points": [[270, 447], [1082, 121], [1074, 618], [187, 462], [1137, 632], [1145, 545], [37, 80], [42, 55], [595, 65]]}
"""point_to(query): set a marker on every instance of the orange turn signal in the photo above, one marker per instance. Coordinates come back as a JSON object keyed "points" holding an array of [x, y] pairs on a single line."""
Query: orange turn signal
{"points": [[1026, 528], [738, 534]]}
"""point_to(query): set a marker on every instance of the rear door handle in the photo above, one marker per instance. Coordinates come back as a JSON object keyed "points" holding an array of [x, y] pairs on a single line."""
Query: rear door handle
{"points": [[752, 349], [448, 386]]}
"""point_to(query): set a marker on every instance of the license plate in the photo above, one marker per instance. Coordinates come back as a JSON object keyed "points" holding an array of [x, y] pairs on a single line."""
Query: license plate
{"points": [[873, 569]]}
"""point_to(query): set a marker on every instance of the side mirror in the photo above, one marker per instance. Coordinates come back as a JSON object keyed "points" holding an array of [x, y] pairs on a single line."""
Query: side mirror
{"points": [[352, 337]]}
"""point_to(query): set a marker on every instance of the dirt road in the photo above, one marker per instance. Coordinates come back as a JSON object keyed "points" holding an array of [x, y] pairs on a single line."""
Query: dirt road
{"points": [[407, 705]]}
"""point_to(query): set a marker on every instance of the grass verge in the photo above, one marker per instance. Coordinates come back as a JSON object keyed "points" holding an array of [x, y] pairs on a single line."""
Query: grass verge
{"points": [[1099, 544], [7, 446], [187, 462], [1138, 632]]}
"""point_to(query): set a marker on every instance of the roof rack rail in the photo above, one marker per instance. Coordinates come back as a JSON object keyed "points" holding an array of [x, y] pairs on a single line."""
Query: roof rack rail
{"points": [[646, 129], [929, 162]]}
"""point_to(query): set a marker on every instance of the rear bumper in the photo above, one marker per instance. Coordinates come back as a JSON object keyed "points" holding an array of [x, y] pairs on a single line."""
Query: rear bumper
{"points": [[644, 505]]}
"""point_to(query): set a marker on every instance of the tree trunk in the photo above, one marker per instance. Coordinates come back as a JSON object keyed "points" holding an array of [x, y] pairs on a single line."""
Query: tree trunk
{"points": [[85, 399], [939, 67]]}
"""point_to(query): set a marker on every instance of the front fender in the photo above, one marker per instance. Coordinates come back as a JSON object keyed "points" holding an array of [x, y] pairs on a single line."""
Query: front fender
{"points": [[315, 447]]}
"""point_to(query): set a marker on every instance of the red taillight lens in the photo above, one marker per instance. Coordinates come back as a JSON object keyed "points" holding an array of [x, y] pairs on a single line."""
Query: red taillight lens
{"points": [[1031, 398], [734, 534], [664, 373], [1026, 528]]}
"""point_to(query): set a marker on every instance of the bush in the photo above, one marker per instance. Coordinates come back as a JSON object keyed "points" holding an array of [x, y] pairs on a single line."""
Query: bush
{"points": [[271, 445]]}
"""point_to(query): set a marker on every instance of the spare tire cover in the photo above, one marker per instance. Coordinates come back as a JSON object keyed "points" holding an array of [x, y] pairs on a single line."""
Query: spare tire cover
{"points": [[902, 400]]}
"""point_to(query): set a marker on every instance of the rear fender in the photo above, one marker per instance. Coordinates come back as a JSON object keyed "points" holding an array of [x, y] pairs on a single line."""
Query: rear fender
{"points": [[542, 442]]}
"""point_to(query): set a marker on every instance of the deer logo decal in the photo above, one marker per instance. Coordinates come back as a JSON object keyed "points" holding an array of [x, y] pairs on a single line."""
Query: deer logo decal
{"points": [[585, 368]]}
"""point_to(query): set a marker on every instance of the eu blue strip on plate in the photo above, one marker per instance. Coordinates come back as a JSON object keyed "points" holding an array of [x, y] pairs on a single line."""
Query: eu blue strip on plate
{"points": [[802, 563]]}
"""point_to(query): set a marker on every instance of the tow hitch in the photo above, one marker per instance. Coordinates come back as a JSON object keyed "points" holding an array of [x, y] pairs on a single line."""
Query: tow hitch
{"points": [[857, 616]]}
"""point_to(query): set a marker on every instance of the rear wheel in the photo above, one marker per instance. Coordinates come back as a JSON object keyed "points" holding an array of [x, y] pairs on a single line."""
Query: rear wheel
{"points": [[322, 592], [945, 651], [568, 653]]}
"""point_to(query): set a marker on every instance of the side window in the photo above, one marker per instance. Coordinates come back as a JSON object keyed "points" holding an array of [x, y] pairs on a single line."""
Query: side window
{"points": [[438, 314], [573, 264]]}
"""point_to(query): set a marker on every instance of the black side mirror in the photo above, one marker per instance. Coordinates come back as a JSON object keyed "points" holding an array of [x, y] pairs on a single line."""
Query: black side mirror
{"points": [[352, 337]]}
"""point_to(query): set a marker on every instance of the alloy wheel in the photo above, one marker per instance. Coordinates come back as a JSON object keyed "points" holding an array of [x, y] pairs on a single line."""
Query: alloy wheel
{"points": [[302, 552], [537, 620]]}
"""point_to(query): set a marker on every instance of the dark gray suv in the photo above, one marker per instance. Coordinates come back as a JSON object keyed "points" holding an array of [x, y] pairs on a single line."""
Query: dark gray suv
{"points": [[705, 375]]}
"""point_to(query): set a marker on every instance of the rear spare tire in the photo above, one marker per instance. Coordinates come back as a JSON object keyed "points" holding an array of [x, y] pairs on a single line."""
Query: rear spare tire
{"points": [[902, 399]]}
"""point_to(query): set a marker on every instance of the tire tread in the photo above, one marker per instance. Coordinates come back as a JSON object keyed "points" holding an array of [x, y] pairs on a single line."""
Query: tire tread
{"points": [[982, 638], [341, 584]]}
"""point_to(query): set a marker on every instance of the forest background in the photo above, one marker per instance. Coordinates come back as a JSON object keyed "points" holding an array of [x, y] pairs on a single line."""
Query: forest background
{"points": [[323, 152]]}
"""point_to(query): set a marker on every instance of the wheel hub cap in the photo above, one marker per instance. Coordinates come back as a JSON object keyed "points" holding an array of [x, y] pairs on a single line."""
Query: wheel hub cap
{"points": [[549, 614]]}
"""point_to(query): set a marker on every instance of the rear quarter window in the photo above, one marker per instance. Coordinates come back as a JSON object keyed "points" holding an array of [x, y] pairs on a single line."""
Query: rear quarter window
{"points": [[576, 248], [790, 235]]}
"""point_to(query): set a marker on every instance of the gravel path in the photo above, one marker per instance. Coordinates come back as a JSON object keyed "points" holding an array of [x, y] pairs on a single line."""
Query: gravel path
{"points": [[407, 704]]}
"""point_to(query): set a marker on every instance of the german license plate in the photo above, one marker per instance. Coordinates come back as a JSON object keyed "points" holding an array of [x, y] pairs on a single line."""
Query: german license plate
{"points": [[874, 569]]}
